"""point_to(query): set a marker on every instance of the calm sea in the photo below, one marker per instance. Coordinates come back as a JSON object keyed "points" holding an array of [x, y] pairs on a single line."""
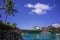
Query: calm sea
{"points": [[36, 36]]}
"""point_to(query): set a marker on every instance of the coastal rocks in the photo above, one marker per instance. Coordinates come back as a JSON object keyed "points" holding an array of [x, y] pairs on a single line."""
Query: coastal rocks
{"points": [[10, 35]]}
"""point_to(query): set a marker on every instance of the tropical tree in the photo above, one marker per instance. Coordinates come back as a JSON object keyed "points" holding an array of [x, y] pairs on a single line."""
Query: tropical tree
{"points": [[52, 29], [1, 8], [14, 26], [0, 15], [1, 22], [58, 30], [9, 8]]}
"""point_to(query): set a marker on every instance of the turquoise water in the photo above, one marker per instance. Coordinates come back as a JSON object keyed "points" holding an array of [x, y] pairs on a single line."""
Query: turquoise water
{"points": [[40, 37]]}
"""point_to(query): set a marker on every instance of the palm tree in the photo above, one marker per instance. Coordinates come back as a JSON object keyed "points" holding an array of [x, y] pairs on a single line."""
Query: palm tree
{"points": [[9, 8], [0, 16], [1, 8]]}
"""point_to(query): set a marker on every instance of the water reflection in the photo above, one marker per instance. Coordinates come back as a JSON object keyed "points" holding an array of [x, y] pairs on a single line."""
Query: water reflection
{"points": [[41, 37], [57, 36]]}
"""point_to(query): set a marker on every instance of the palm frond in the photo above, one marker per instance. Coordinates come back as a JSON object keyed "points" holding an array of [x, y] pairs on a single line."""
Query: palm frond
{"points": [[14, 10], [1, 8]]}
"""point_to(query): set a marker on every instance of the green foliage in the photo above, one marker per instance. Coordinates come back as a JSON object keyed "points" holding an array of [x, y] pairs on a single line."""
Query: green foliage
{"points": [[7, 26], [9, 8], [14, 26], [53, 29]]}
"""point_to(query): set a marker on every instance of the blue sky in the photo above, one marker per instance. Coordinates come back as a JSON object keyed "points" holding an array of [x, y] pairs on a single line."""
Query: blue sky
{"points": [[34, 12]]}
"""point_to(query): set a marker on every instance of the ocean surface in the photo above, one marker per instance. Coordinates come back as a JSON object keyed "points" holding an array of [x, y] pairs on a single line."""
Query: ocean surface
{"points": [[36, 36]]}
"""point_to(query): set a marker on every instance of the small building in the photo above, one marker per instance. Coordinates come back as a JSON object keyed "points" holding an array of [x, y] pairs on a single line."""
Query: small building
{"points": [[36, 28]]}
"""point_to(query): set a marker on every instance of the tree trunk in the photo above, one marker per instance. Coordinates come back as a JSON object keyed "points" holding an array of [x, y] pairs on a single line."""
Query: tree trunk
{"points": [[6, 18]]}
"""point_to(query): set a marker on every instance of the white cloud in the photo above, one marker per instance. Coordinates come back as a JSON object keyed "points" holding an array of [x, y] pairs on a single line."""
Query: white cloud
{"points": [[41, 6], [56, 25], [38, 8], [38, 11], [29, 5]]}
